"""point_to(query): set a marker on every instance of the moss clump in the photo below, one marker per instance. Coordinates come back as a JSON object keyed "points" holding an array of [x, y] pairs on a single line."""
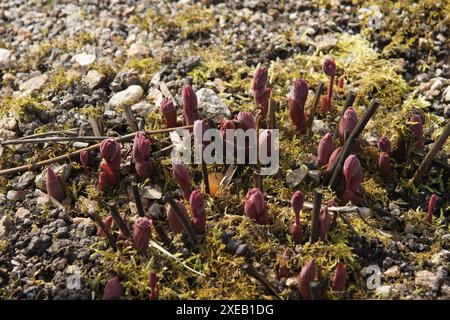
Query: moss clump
{"points": [[146, 68], [25, 108]]}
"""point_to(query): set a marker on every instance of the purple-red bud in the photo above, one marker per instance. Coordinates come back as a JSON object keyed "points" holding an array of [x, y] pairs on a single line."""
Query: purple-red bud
{"points": [[174, 223], [110, 151], [142, 151], [169, 112], [154, 291], [55, 187], [112, 289], [385, 145], [261, 91], [296, 103], [431, 206], [190, 105], [198, 211], [255, 206], [182, 177], [297, 200], [352, 177], [246, 121], [324, 223], [333, 158], [283, 269], [326, 148], [108, 177], [141, 233], [329, 67], [84, 159], [306, 276], [108, 223], [384, 164], [347, 124], [340, 277]]}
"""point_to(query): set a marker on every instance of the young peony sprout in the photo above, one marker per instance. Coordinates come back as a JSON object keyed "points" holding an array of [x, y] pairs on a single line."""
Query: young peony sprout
{"points": [[416, 128], [324, 223], [260, 90], [190, 105], [255, 207], [296, 102], [142, 152], [340, 277], [246, 121], [326, 148], [384, 163], [108, 223], [283, 269], [109, 168], [154, 290], [54, 185], [333, 158], [141, 233], [174, 223], [431, 206], [108, 177], [169, 112], [198, 211], [112, 289], [352, 177], [297, 200], [306, 276], [182, 177], [329, 68], [346, 126], [385, 145], [84, 159]]}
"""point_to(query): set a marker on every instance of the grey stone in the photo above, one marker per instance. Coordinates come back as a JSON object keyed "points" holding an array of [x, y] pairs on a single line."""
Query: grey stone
{"points": [[94, 78], [6, 59], [35, 83], [211, 106], [22, 181], [428, 280]]}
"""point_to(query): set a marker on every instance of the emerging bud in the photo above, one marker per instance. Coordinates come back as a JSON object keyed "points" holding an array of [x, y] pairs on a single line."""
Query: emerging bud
{"points": [[181, 175], [297, 200], [84, 159], [417, 130], [154, 291], [260, 90], [347, 124], [384, 145], [341, 83], [169, 112], [112, 289], [108, 177], [174, 223], [283, 269], [431, 206], [110, 151], [255, 207], [108, 223], [55, 187], [246, 121], [384, 164], [307, 275], [141, 155], [141, 233], [329, 67], [296, 103], [352, 177], [333, 158], [190, 105], [324, 223], [198, 211], [326, 148], [340, 277]]}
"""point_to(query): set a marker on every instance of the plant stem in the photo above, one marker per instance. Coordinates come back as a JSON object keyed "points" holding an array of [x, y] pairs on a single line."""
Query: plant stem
{"points": [[315, 216], [315, 105]]}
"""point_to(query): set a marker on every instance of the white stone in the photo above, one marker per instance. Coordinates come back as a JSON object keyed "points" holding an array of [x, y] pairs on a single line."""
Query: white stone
{"points": [[446, 94], [143, 108], [155, 96], [152, 192], [5, 58], [93, 78], [428, 280], [8, 123], [392, 272], [7, 134], [384, 291], [138, 50], [211, 106], [296, 176], [127, 97], [35, 83], [22, 213], [84, 59]]}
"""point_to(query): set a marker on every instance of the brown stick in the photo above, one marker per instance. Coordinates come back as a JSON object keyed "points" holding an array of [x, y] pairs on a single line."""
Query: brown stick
{"points": [[120, 222], [137, 199], [96, 218], [65, 157], [315, 105], [187, 226], [336, 169], [248, 268], [271, 114], [431, 154], [130, 118], [53, 139], [95, 127], [348, 103], [315, 216]]}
